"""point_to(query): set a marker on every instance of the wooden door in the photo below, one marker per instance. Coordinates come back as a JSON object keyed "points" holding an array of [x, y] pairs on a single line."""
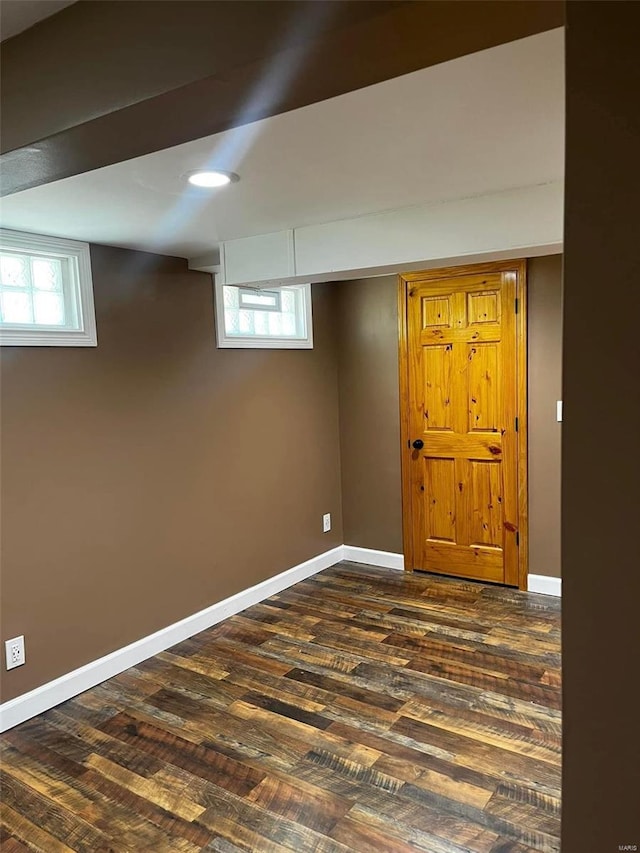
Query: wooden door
{"points": [[464, 392]]}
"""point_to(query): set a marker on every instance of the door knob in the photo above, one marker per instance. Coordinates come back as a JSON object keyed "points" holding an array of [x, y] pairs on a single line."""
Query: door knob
{"points": [[418, 444]]}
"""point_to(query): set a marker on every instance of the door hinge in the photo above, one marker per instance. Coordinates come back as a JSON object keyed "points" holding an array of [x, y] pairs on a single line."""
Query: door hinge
{"points": [[516, 424], [516, 305], [517, 538]]}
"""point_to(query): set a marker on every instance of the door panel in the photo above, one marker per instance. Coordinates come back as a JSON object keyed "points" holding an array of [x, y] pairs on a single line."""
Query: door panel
{"points": [[440, 499], [485, 488], [437, 379], [484, 394], [462, 397]]}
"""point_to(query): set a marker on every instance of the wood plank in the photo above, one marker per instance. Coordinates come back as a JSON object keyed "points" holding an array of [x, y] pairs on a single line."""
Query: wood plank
{"points": [[286, 709], [481, 446], [72, 831], [485, 334], [477, 755], [475, 562], [291, 800], [201, 761], [360, 835], [78, 797], [166, 798], [34, 836], [373, 698], [362, 709]]}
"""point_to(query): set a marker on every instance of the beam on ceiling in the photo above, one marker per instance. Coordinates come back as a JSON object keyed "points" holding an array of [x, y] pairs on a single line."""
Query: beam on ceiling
{"points": [[520, 222], [102, 82]]}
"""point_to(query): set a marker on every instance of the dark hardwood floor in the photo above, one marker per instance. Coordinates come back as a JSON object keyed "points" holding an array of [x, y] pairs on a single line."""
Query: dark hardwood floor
{"points": [[360, 710]]}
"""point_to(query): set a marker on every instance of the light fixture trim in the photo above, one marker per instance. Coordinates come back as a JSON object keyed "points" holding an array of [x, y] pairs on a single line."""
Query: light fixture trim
{"points": [[210, 179]]}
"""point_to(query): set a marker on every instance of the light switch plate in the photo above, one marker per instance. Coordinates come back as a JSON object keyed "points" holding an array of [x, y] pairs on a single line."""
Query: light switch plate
{"points": [[559, 411]]}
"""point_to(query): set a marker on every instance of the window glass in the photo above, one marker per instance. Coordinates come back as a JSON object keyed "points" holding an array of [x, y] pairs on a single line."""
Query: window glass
{"points": [[46, 293], [264, 318]]}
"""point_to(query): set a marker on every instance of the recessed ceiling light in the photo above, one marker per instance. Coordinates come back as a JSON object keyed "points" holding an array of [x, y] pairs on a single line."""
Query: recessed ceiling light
{"points": [[212, 178]]}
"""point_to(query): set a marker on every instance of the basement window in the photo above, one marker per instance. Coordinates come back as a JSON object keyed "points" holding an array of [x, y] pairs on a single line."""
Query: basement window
{"points": [[264, 319], [46, 292]]}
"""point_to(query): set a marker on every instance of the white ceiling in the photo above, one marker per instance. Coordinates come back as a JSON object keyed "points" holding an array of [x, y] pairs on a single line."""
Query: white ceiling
{"points": [[482, 123], [19, 15]]}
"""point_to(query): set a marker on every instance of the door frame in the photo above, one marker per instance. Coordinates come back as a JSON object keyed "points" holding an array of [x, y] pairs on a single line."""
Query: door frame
{"points": [[519, 268]]}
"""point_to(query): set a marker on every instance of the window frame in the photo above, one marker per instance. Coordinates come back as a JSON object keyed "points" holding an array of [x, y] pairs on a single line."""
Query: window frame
{"points": [[226, 341], [250, 291], [78, 283]]}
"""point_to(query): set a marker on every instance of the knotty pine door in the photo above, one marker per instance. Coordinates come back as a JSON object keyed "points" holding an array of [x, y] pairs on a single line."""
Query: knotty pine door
{"points": [[464, 392]]}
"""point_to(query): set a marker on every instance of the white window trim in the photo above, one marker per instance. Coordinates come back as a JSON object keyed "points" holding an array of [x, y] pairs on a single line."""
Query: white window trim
{"points": [[80, 263], [226, 341]]}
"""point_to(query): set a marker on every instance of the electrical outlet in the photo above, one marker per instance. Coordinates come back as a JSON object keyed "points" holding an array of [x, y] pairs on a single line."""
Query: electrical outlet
{"points": [[14, 650], [326, 522]]}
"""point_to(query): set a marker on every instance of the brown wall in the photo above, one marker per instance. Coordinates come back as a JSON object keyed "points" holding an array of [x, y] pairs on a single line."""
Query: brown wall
{"points": [[154, 475], [601, 471], [369, 420], [544, 280], [367, 318]]}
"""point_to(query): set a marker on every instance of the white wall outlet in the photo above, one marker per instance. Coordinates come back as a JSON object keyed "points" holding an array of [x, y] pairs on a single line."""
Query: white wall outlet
{"points": [[559, 411], [14, 650], [326, 522]]}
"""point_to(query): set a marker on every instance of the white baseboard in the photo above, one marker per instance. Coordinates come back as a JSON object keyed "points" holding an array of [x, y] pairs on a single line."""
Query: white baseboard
{"points": [[389, 560], [49, 695], [545, 585], [386, 559]]}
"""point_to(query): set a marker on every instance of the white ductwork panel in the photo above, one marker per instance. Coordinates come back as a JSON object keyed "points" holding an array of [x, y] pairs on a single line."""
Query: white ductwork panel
{"points": [[517, 219], [521, 222], [266, 257]]}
